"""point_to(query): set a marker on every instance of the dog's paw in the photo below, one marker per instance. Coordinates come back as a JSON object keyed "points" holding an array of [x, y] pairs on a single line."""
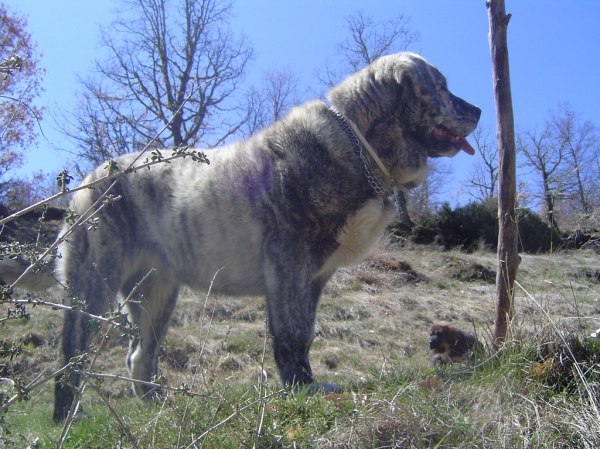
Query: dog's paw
{"points": [[320, 387]]}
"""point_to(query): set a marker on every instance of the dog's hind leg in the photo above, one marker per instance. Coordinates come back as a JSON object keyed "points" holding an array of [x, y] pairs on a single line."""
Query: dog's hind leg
{"points": [[150, 311], [76, 336]]}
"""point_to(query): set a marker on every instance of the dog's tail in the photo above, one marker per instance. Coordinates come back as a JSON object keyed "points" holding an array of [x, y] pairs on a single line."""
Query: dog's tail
{"points": [[35, 280]]}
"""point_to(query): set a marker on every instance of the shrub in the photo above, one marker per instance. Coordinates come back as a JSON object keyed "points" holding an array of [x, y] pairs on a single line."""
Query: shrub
{"points": [[466, 227], [534, 233]]}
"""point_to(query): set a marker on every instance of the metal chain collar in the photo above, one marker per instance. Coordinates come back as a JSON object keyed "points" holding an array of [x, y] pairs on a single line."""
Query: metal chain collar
{"points": [[371, 178]]}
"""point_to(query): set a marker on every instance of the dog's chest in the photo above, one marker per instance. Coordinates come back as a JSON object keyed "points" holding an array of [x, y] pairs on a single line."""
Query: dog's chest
{"points": [[359, 233]]}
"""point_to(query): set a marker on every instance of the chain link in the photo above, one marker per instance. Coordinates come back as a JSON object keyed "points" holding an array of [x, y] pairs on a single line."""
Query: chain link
{"points": [[371, 178]]}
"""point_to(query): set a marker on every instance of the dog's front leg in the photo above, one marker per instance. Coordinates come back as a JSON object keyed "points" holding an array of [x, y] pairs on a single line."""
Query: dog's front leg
{"points": [[292, 299], [291, 323]]}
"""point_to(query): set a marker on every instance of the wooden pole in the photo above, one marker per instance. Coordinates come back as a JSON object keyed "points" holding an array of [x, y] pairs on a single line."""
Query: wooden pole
{"points": [[508, 257]]}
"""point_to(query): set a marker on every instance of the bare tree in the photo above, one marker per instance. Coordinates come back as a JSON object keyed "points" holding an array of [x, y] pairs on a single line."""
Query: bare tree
{"points": [[579, 143], [541, 153], [25, 192], [483, 183], [170, 62], [368, 40], [420, 201], [272, 99], [20, 83]]}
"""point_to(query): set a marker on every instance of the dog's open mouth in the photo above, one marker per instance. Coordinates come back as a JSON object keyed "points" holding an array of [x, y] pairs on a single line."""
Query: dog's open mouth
{"points": [[459, 142]]}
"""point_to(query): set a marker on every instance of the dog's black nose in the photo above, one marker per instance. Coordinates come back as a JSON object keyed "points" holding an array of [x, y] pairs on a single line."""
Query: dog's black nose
{"points": [[465, 109]]}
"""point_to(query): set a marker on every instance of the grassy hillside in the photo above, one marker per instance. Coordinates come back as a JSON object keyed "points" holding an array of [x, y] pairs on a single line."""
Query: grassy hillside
{"points": [[371, 338]]}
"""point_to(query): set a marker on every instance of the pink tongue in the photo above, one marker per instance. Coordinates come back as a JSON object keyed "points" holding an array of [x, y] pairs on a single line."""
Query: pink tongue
{"points": [[466, 146]]}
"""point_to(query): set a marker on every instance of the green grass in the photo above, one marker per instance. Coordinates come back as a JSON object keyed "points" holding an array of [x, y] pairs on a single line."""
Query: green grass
{"points": [[498, 404], [373, 342]]}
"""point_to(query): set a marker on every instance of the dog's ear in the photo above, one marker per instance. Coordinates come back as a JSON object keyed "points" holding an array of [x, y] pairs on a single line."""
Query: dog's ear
{"points": [[379, 89], [367, 94], [420, 81]]}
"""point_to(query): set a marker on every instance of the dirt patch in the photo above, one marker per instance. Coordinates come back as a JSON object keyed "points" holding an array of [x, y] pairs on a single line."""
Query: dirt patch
{"points": [[403, 270], [177, 356], [471, 272], [34, 339]]}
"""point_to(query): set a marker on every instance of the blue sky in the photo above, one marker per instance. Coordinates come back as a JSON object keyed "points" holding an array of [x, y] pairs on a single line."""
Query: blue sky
{"points": [[554, 49]]}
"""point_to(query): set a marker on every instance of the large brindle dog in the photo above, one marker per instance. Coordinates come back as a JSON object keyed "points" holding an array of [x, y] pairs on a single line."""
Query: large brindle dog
{"points": [[280, 212]]}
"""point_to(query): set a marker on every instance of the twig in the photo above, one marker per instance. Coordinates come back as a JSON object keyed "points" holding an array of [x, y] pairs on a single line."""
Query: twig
{"points": [[234, 414], [183, 390], [83, 218], [54, 305], [32, 386], [130, 169], [88, 213], [37, 119], [178, 153], [79, 392], [262, 388], [590, 393], [122, 425], [200, 352]]}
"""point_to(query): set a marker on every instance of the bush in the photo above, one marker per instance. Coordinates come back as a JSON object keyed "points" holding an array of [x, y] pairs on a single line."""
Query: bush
{"points": [[535, 235], [466, 227]]}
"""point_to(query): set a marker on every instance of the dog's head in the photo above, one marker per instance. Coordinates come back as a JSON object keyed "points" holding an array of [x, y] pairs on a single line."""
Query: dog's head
{"points": [[403, 106], [438, 340]]}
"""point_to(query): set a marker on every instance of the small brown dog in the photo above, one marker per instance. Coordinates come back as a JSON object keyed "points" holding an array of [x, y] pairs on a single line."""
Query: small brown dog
{"points": [[450, 344]]}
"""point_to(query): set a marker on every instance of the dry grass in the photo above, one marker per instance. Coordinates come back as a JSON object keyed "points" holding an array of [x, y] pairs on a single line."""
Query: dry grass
{"points": [[371, 337]]}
